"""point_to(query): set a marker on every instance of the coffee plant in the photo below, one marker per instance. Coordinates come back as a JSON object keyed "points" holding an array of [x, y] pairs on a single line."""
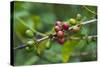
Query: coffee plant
{"points": [[42, 36]]}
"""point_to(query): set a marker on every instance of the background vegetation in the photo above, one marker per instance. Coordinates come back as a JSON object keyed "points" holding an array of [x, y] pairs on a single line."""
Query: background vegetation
{"points": [[40, 18]]}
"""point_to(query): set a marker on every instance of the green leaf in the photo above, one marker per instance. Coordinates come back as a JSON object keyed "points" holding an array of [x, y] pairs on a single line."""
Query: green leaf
{"points": [[31, 60], [20, 28], [82, 45], [37, 22], [84, 30], [68, 49], [48, 45], [41, 47]]}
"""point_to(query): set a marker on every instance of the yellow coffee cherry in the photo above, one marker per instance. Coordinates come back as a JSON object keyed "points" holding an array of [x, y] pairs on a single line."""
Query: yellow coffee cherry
{"points": [[72, 21]]}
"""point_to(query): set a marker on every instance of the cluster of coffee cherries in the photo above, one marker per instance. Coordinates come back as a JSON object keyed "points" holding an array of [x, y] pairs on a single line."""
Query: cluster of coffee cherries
{"points": [[60, 27], [30, 43]]}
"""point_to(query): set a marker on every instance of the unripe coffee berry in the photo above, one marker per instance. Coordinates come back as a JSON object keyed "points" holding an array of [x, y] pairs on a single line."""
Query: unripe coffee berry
{"points": [[60, 34], [57, 28], [61, 40], [29, 33], [78, 17], [65, 26], [30, 43], [72, 21], [29, 49]]}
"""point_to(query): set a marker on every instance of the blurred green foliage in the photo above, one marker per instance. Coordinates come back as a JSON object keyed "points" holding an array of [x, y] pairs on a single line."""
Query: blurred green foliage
{"points": [[40, 18]]}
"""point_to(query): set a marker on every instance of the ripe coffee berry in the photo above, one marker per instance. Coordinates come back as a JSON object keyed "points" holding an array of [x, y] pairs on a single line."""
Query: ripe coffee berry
{"points": [[60, 34], [58, 23], [65, 26], [57, 28], [61, 40]]}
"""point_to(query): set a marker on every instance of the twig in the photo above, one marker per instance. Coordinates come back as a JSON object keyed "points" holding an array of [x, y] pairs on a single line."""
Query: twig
{"points": [[90, 37], [90, 21], [84, 37], [86, 22], [72, 38], [81, 54], [46, 37], [89, 10], [20, 47]]}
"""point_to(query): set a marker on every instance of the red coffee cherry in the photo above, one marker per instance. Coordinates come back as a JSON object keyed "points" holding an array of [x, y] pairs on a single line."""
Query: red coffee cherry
{"points": [[57, 28], [58, 23], [65, 26], [61, 40], [60, 34]]}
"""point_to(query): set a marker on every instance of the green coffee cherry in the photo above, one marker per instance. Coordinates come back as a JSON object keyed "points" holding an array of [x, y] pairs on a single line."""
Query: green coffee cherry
{"points": [[29, 49], [29, 33], [78, 17], [30, 43], [72, 21], [30, 46]]}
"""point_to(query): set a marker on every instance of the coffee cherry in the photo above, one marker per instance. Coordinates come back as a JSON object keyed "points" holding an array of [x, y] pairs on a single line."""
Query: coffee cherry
{"points": [[72, 21], [78, 17], [60, 34], [30, 43], [29, 33], [29, 49], [65, 26], [57, 28], [58, 23], [61, 40]]}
